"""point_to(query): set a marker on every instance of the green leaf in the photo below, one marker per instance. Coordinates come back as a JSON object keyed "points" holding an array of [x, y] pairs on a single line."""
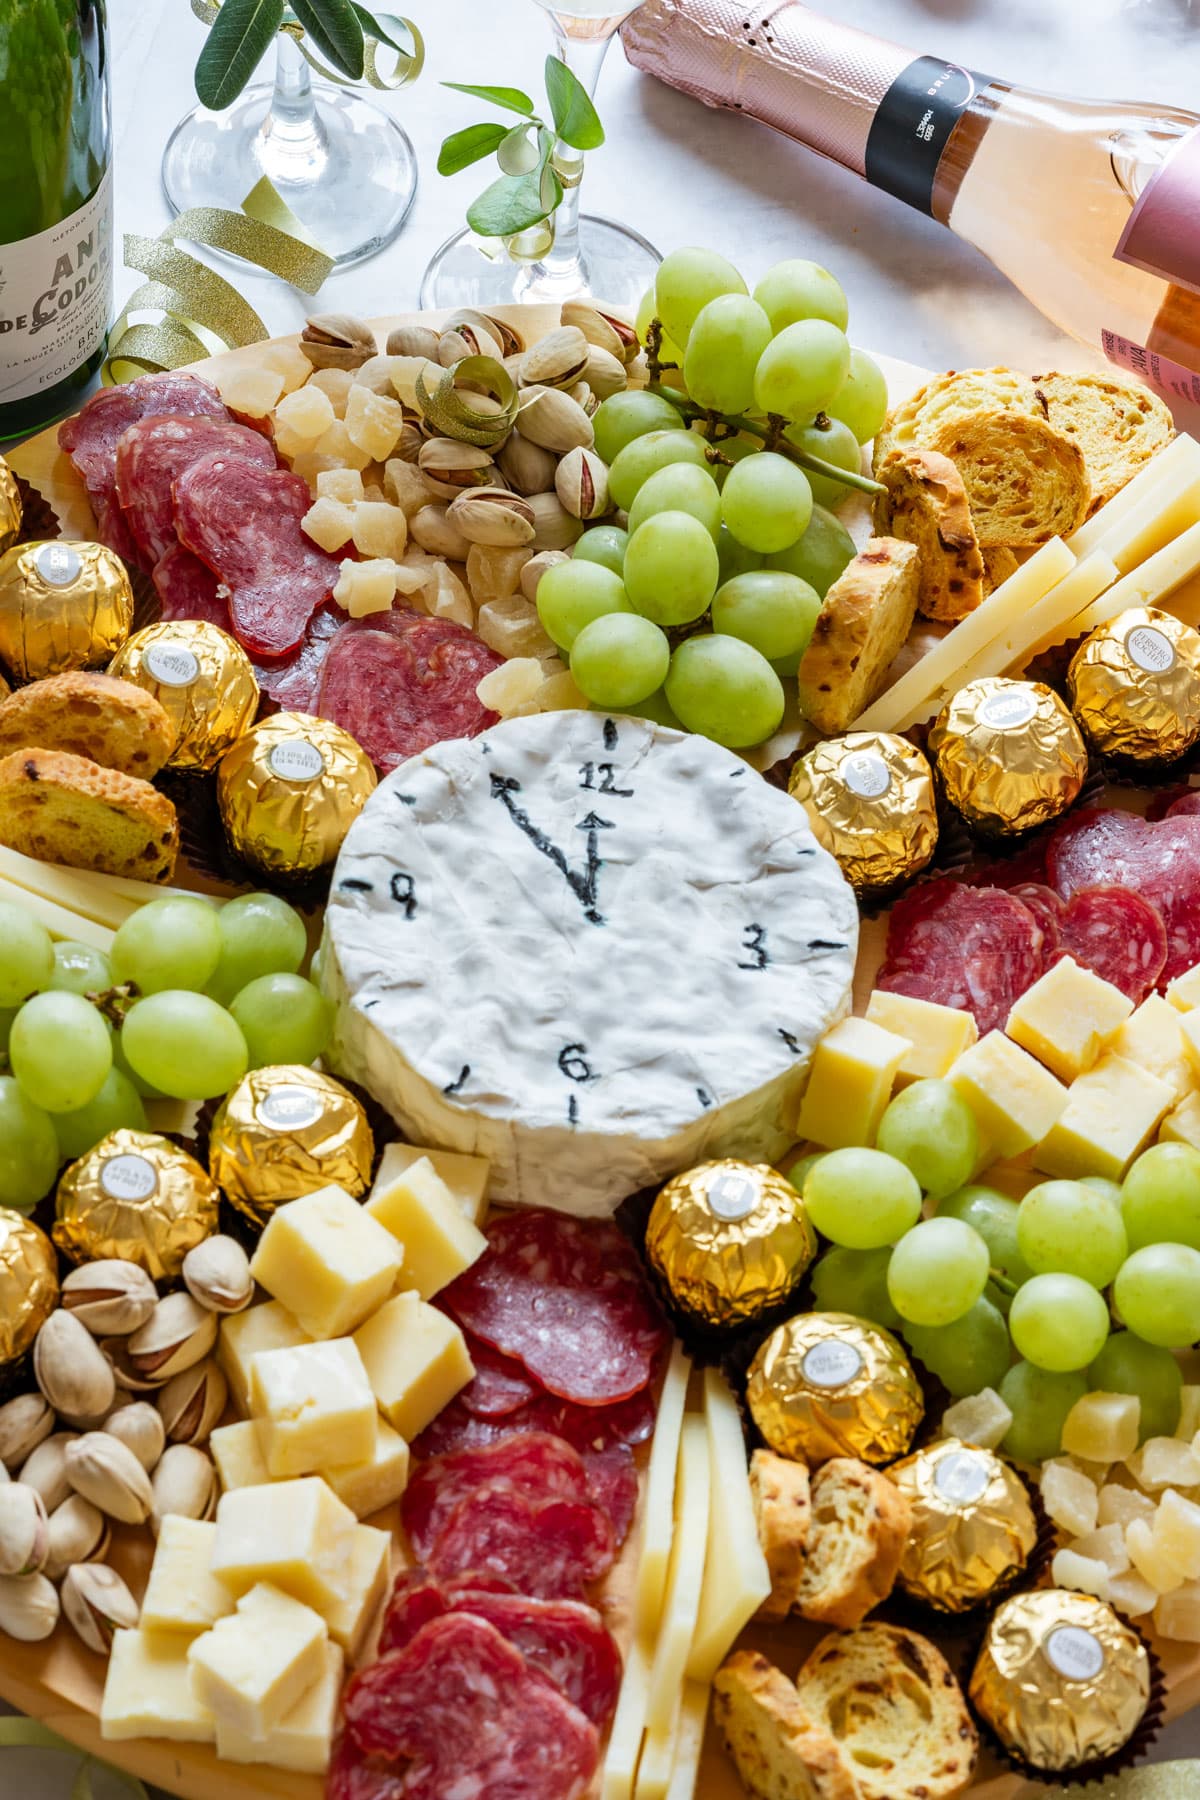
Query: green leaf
{"points": [[575, 118], [336, 30], [511, 204], [511, 99], [465, 147], [240, 36], [372, 27], [517, 155]]}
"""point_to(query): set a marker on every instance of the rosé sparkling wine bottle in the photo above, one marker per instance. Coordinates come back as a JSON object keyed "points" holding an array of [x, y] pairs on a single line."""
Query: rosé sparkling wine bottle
{"points": [[1091, 207]]}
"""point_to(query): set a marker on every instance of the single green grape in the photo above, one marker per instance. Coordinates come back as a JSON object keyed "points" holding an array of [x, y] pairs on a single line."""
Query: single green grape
{"points": [[932, 1130], [60, 1051], [170, 943], [655, 707], [1063, 1226], [685, 283], [727, 338], [571, 594], [623, 417], [646, 455], [863, 401], [603, 544], [734, 558], [1100, 1184], [862, 1199], [671, 570], [773, 611], [1058, 1322], [968, 1355], [729, 453], [29, 1156], [117, 1106], [798, 289], [938, 1271], [1129, 1365], [1157, 1293], [681, 487], [724, 690], [1039, 1402], [834, 443], [191, 1047], [26, 955], [802, 370], [119, 1062], [767, 502], [619, 660], [1160, 1200], [855, 1281], [260, 935], [796, 1165], [284, 1019], [79, 969], [821, 554], [995, 1217]]}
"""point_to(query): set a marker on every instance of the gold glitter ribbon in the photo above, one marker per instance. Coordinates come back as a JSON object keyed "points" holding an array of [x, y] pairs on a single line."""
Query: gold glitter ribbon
{"points": [[407, 67], [27, 1734], [1162, 1781]]}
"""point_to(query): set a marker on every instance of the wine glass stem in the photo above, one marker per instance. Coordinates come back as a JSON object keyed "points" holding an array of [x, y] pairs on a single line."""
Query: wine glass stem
{"points": [[292, 143], [563, 263]]}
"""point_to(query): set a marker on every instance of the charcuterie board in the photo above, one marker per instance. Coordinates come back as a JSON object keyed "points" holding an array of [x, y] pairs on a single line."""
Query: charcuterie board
{"points": [[60, 1683]]}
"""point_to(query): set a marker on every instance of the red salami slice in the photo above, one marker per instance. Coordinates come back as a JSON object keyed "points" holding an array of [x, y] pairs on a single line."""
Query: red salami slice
{"points": [[500, 1386], [90, 438], [531, 1465], [1119, 935], [291, 681], [244, 522], [112, 528], [551, 1549], [353, 1775], [586, 1428], [461, 1715], [1158, 860], [613, 1485], [1096, 848], [399, 682], [568, 1299], [154, 453], [188, 590], [1186, 806], [974, 948], [1048, 910]]}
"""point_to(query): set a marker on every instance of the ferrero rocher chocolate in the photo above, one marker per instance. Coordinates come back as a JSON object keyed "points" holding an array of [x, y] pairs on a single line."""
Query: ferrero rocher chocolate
{"points": [[28, 1282], [828, 1384], [1135, 686], [62, 606], [870, 799], [137, 1197], [10, 506], [204, 680], [730, 1239], [286, 1130], [289, 791], [1009, 754], [1061, 1680], [972, 1525]]}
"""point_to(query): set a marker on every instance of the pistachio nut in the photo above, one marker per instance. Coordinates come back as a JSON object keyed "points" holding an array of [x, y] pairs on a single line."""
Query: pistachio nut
{"points": [[96, 1602], [408, 445], [583, 396], [71, 1369], [452, 467], [111, 1298], [492, 516], [46, 1469], [467, 339], [337, 341], [217, 1275], [106, 1472], [413, 340], [557, 360], [605, 375], [554, 528], [179, 1333], [25, 1422], [192, 1402], [606, 330], [129, 1380], [536, 567], [581, 483], [432, 531], [553, 420], [77, 1532], [29, 1607], [526, 466], [24, 1530], [507, 336], [140, 1428], [185, 1482]]}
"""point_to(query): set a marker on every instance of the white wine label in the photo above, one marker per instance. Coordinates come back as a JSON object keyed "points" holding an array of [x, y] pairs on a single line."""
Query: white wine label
{"points": [[128, 1177], [1171, 379], [55, 298], [171, 665], [1161, 235], [831, 1364], [295, 759], [1075, 1653], [913, 125], [288, 1109], [1150, 650]]}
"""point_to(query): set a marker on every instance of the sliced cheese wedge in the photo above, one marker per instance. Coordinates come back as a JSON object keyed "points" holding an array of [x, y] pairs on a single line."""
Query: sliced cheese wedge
{"points": [[59, 920], [657, 1761], [1156, 487], [109, 899], [629, 1723], [905, 701], [689, 1741], [685, 1577], [1149, 585], [658, 1526], [736, 1577]]}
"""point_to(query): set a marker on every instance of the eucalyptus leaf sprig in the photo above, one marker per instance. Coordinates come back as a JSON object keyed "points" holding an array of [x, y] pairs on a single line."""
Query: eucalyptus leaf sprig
{"points": [[346, 35], [529, 188]]}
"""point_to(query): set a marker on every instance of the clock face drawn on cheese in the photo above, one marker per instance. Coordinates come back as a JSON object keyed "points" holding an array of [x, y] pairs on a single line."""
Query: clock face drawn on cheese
{"points": [[590, 949]]}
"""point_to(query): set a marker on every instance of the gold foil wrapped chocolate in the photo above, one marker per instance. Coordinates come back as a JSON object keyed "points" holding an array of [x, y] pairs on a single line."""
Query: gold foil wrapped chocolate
{"points": [[1009, 754], [1135, 686], [286, 1130], [869, 796], [289, 791], [204, 680], [28, 1282], [138, 1197], [62, 606], [730, 1239], [828, 1384], [1061, 1680], [10, 506], [972, 1525]]}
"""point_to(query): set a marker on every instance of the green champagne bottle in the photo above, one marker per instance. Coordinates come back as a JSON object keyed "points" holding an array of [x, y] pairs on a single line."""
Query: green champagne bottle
{"points": [[56, 259]]}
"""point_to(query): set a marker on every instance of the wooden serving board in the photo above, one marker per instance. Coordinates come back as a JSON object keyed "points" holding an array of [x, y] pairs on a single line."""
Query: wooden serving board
{"points": [[60, 1682]]}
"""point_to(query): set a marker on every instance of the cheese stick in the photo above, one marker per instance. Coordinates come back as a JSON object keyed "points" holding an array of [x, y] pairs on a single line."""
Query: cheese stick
{"points": [[684, 1577], [1158, 483], [59, 921], [736, 1577], [1149, 585], [657, 1508]]}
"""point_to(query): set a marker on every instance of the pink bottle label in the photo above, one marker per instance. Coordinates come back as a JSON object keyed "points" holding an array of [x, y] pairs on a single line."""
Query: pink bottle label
{"points": [[1162, 234], [1171, 379]]}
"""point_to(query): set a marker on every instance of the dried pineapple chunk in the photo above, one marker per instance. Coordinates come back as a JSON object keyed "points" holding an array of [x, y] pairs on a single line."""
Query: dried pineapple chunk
{"points": [[1085, 1575], [982, 1419], [1118, 1505], [510, 686], [336, 383], [558, 693], [305, 415], [289, 362], [1070, 1498], [340, 448], [345, 485], [1131, 1593], [252, 392], [1149, 1559], [373, 422], [366, 587], [511, 627], [1164, 1462], [406, 487], [1103, 1428], [494, 574], [1176, 1531], [328, 523], [1105, 1545], [380, 529], [1177, 1615]]}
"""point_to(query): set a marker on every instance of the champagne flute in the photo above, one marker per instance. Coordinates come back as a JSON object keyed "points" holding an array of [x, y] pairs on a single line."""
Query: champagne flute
{"points": [[588, 255]]}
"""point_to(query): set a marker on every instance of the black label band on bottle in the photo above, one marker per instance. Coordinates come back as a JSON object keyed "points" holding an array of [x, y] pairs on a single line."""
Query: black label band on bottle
{"points": [[913, 126]]}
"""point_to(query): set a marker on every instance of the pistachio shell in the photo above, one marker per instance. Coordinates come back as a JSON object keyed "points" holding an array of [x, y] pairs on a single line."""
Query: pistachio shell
{"points": [[468, 339], [78, 1532], [554, 420], [140, 1428], [179, 1333], [413, 340], [557, 360], [111, 1298], [554, 528], [581, 483], [605, 374], [24, 1530], [432, 531], [46, 1469], [451, 467], [96, 1602], [536, 567], [29, 1608], [192, 1402], [337, 341], [107, 1473], [491, 516], [217, 1275], [71, 1369], [527, 467], [607, 331], [185, 1482], [25, 1422]]}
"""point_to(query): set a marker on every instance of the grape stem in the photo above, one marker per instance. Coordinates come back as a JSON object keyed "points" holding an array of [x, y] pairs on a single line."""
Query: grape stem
{"points": [[1003, 1282], [114, 1002]]}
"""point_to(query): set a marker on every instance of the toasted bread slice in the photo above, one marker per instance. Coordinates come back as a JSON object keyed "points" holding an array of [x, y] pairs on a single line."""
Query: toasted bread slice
{"points": [[950, 397], [111, 722], [780, 1754], [66, 809], [1025, 481], [855, 1544], [926, 505], [1118, 425], [896, 1710], [864, 619], [783, 1512], [998, 564]]}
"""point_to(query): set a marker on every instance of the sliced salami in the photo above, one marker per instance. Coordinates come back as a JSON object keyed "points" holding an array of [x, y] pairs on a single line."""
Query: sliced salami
{"points": [[400, 681], [974, 948], [291, 681], [500, 1387], [551, 1549], [244, 522], [154, 453], [567, 1298], [112, 528], [1100, 847], [587, 1428], [462, 1716], [90, 438], [613, 1485], [1048, 910], [1119, 935], [531, 1465], [1186, 806], [188, 590], [353, 1775], [1160, 860]]}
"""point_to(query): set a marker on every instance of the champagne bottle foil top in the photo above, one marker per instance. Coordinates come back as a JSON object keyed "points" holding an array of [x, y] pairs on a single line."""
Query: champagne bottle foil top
{"points": [[829, 1384], [1061, 1680], [202, 678], [1135, 686], [289, 791], [28, 1282], [1009, 755], [63, 606], [10, 506], [972, 1525], [137, 1197], [286, 1130], [869, 796], [730, 1239]]}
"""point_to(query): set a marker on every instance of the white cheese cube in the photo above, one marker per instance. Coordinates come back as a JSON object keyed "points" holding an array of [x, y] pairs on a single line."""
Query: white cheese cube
{"points": [[148, 1691], [328, 1261], [266, 1327], [1119, 1505], [1152, 1038], [238, 1455], [982, 1419], [363, 1590], [1182, 1123], [367, 1487], [295, 1534], [937, 1035], [419, 1210], [345, 485], [1176, 1530], [853, 1070], [1014, 1099], [252, 1667], [1164, 1462], [313, 1407], [1103, 1427], [303, 1738], [416, 1360], [1131, 1594], [465, 1176], [1184, 992], [182, 1593], [1065, 1017], [1149, 1559], [1070, 1499], [1177, 1615], [1112, 1112], [1083, 1573]]}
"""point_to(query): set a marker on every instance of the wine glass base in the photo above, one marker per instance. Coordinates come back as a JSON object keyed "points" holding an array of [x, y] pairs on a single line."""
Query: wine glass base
{"points": [[615, 264], [350, 175]]}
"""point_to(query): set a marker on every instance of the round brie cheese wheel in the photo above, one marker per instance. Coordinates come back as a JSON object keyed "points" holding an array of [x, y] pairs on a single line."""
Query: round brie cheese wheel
{"points": [[590, 949]]}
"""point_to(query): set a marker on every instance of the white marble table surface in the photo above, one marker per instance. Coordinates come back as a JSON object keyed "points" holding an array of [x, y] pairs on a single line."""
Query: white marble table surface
{"points": [[682, 174]]}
